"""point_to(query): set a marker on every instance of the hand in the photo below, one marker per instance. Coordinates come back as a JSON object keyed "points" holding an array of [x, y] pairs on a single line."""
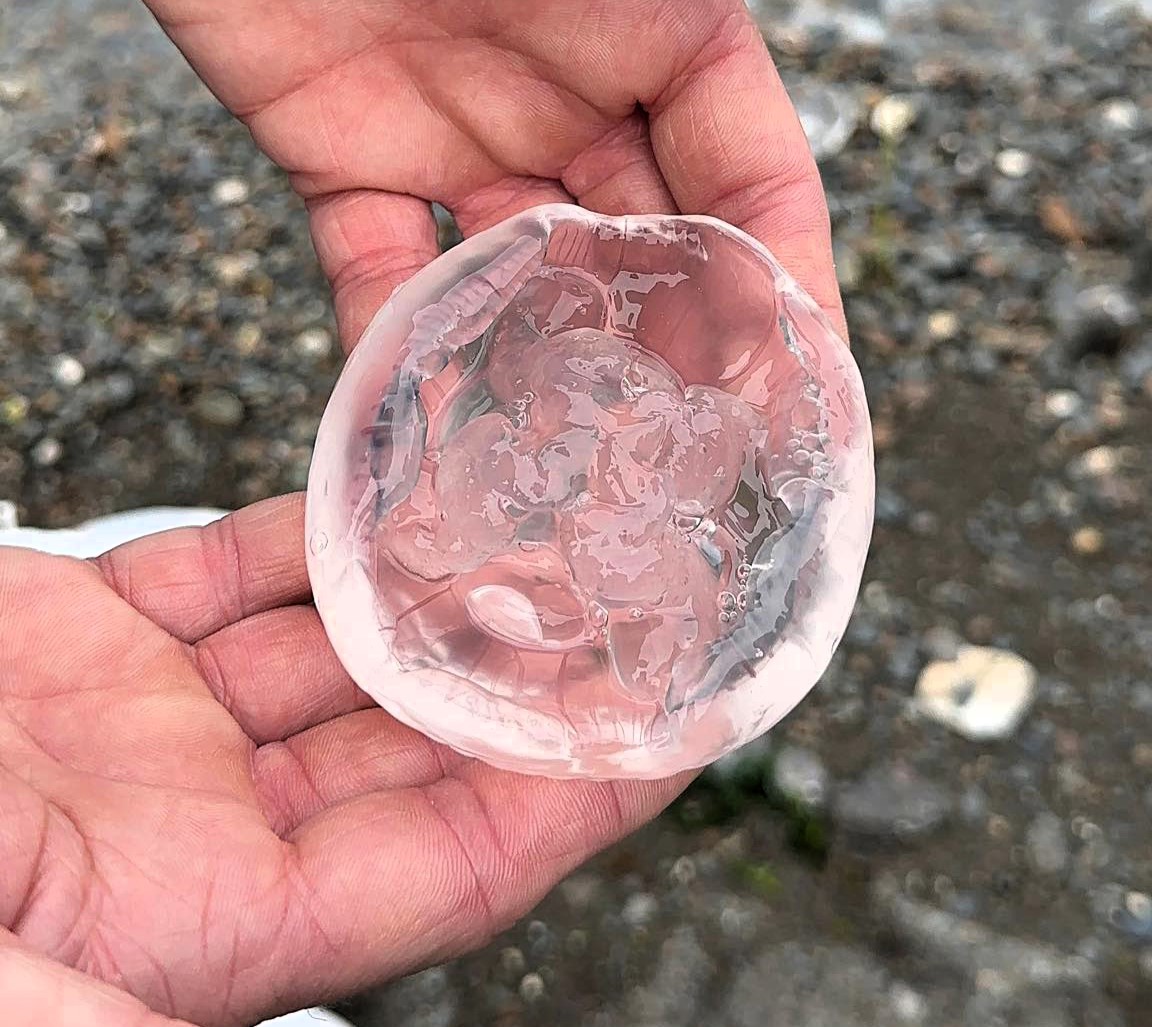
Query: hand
{"points": [[375, 107], [198, 807]]}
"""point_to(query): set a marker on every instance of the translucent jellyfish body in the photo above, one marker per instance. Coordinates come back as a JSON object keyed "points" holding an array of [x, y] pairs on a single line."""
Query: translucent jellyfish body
{"points": [[592, 496]]}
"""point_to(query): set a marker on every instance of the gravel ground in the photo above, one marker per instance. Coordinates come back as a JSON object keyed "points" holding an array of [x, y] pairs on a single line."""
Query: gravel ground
{"points": [[891, 855]]}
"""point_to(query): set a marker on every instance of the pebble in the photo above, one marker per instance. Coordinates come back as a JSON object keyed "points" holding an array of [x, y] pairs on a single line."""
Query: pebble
{"points": [[1047, 844], [219, 407], [9, 518], [1120, 115], [67, 371], [991, 960], [790, 985], [943, 325], [672, 995], [982, 694], [1063, 403], [233, 268], [1145, 961], [314, 342], [892, 802], [941, 643], [892, 117], [229, 192], [1098, 462], [640, 909], [1013, 163], [46, 452], [531, 987], [800, 775], [1087, 541], [829, 114], [1096, 319]]}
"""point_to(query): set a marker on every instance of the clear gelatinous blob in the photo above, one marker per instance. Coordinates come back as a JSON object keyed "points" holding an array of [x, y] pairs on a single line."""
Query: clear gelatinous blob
{"points": [[596, 494]]}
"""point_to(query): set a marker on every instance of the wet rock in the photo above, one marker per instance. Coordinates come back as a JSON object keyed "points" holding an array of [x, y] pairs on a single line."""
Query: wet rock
{"points": [[220, 408], [67, 371], [994, 962], [788, 985], [229, 192], [1097, 319], [800, 775], [893, 116], [891, 802], [982, 694], [425, 999], [829, 114], [671, 997], [1047, 844]]}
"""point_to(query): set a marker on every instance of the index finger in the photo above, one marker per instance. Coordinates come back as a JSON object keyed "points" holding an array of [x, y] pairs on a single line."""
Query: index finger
{"points": [[730, 144]]}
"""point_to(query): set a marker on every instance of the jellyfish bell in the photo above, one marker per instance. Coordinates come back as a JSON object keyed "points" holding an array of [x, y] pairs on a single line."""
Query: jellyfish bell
{"points": [[592, 495]]}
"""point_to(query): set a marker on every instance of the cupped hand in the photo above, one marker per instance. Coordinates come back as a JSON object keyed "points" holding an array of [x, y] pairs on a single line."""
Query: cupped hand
{"points": [[199, 808], [376, 107]]}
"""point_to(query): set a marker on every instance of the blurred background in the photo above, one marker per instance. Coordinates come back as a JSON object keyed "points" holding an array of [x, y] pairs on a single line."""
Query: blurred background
{"points": [[971, 846]]}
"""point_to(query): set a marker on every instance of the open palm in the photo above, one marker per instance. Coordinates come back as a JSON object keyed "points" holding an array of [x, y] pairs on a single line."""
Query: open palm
{"points": [[198, 806]]}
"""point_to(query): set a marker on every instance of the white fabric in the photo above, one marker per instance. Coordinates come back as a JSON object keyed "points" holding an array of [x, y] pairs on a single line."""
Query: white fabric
{"points": [[95, 537]]}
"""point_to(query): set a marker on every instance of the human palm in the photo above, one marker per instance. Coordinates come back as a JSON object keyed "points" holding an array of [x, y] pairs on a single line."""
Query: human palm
{"points": [[198, 809]]}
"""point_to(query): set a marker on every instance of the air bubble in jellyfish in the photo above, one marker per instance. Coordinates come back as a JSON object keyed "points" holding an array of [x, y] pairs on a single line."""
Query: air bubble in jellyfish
{"points": [[592, 496]]}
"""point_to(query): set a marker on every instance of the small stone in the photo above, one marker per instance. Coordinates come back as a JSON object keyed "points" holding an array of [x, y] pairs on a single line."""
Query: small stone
{"points": [[1120, 115], [670, 998], [1097, 319], [229, 192], [941, 643], [908, 1006], [46, 452], [512, 961], [233, 268], [532, 987], [314, 342], [1098, 462], [247, 339], [67, 371], [982, 694], [799, 775], [640, 909], [1087, 541], [14, 409], [13, 89], [75, 203], [1007, 965], [9, 518], [1013, 163], [1139, 906], [892, 117], [1145, 961], [219, 407], [892, 801], [943, 325], [828, 113], [1047, 844], [1062, 404]]}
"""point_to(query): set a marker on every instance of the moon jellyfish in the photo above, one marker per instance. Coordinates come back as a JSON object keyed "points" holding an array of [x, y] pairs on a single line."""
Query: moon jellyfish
{"points": [[592, 496]]}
